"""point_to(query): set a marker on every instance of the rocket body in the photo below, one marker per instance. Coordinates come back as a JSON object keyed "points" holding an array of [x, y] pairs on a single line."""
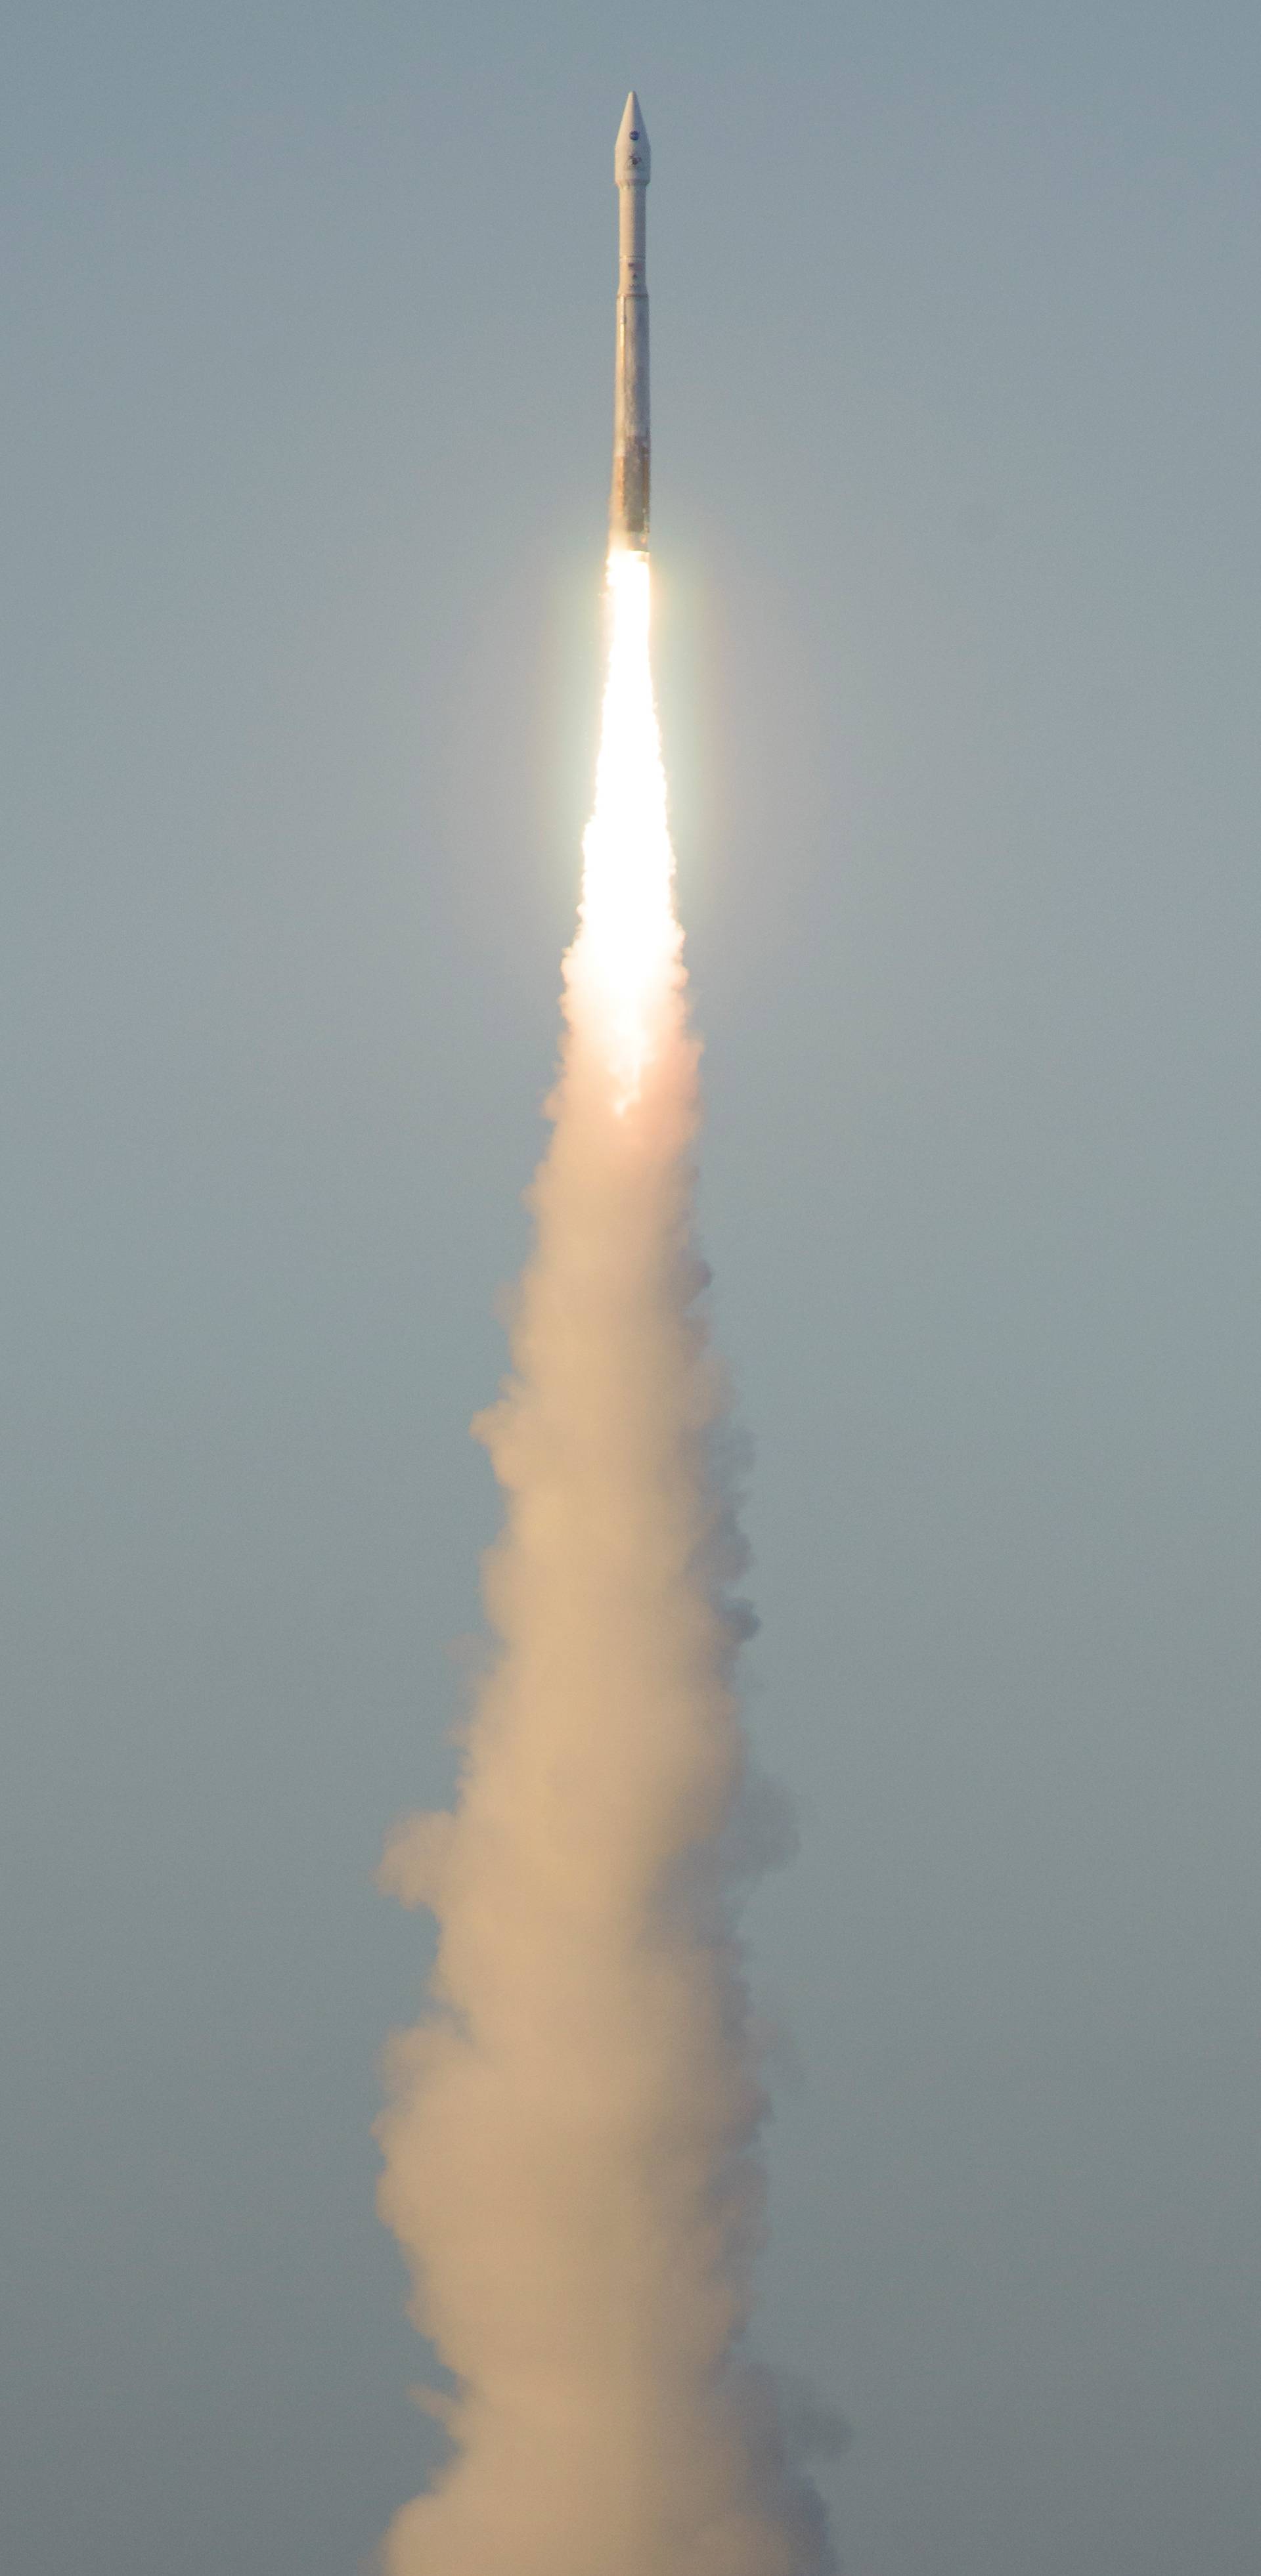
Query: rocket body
{"points": [[632, 434]]}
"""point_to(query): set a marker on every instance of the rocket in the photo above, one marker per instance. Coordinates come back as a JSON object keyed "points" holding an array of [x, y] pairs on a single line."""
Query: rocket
{"points": [[632, 435]]}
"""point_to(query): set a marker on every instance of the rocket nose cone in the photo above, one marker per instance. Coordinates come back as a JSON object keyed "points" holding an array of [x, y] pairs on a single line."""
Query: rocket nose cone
{"points": [[632, 159]]}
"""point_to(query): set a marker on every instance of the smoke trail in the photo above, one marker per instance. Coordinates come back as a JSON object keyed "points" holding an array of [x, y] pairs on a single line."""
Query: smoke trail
{"points": [[568, 2147]]}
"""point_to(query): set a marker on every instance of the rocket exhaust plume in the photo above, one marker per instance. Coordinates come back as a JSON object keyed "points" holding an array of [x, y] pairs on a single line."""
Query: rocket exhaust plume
{"points": [[569, 2139]]}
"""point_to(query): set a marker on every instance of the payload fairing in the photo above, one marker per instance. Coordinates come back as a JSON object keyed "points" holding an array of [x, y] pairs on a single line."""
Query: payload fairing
{"points": [[632, 435]]}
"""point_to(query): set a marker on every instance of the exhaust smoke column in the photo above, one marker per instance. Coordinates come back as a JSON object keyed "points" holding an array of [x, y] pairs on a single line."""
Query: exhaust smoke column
{"points": [[570, 2134], [632, 431]]}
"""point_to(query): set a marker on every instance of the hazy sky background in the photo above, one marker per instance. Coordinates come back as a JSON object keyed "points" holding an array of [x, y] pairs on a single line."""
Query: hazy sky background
{"points": [[308, 317]]}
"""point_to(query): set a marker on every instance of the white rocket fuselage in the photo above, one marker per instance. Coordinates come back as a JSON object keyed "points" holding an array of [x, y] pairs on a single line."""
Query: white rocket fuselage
{"points": [[632, 435]]}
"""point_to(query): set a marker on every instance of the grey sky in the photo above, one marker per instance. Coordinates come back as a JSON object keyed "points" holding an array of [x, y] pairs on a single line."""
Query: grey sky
{"points": [[306, 410]]}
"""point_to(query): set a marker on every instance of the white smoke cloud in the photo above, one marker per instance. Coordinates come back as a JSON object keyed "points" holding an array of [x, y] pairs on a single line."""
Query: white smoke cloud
{"points": [[569, 2143]]}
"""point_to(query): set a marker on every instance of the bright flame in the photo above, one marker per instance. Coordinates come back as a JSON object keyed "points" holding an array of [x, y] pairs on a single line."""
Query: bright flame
{"points": [[624, 964]]}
